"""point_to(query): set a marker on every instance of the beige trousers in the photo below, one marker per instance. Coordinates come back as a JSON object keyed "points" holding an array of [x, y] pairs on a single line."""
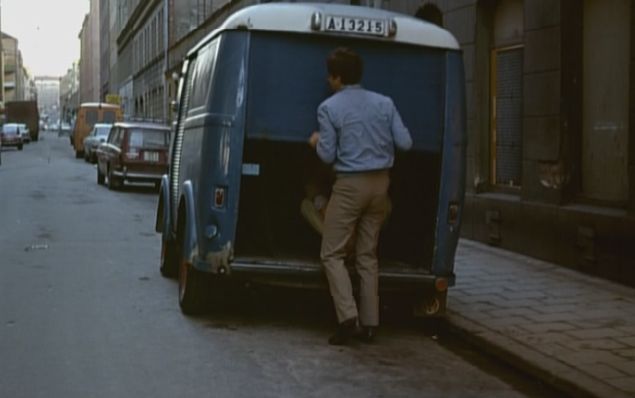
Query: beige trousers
{"points": [[358, 201]]}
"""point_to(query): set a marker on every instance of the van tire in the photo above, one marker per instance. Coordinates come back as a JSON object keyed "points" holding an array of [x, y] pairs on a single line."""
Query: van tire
{"points": [[193, 284], [20, 147], [169, 262], [192, 289]]}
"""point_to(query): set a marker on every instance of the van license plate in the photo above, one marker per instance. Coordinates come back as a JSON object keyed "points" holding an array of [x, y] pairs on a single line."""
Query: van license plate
{"points": [[362, 26], [151, 156]]}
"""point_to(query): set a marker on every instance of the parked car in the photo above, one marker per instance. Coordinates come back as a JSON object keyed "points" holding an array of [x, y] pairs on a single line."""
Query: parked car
{"points": [[133, 152], [64, 129], [98, 135], [11, 135], [25, 133]]}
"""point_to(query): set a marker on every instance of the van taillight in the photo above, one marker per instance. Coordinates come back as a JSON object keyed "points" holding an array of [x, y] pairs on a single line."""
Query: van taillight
{"points": [[453, 213], [219, 197]]}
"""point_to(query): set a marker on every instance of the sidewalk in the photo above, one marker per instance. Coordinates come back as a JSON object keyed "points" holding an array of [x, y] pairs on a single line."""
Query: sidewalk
{"points": [[571, 330]]}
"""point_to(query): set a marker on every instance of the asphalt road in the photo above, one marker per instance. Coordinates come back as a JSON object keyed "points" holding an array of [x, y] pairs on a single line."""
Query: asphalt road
{"points": [[84, 311]]}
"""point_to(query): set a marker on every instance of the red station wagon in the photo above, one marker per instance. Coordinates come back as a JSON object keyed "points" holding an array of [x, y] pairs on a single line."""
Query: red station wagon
{"points": [[134, 152]]}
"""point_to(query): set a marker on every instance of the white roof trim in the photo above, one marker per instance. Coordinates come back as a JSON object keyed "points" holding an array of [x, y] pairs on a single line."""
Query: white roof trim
{"points": [[296, 17], [98, 104]]}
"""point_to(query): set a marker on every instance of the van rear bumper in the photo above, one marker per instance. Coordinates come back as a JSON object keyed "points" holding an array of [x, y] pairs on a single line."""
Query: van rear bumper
{"points": [[307, 274], [138, 176]]}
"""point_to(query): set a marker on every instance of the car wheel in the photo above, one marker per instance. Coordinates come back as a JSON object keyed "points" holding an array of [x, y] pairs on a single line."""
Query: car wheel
{"points": [[86, 156], [169, 262], [100, 177], [20, 147], [192, 284], [113, 182]]}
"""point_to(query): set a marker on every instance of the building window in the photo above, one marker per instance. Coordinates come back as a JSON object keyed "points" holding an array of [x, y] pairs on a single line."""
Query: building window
{"points": [[605, 100], [506, 96]]}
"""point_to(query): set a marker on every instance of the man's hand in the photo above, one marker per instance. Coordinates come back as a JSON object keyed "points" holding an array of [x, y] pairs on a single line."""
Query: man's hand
{"points": [[313, 140]]}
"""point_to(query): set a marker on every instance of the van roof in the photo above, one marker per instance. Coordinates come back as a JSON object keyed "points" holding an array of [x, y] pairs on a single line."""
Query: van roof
{"points": [[98, 105], [297, 17]]}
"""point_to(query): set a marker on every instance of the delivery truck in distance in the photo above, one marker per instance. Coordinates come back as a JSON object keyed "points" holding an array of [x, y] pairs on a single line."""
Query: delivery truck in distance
{"points": [[24, 112]]}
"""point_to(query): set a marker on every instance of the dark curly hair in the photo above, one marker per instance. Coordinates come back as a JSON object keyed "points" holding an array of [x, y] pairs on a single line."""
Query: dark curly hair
{"points": [[346, 64]]}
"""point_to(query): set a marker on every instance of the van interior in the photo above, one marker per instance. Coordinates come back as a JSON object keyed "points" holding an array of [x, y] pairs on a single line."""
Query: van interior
{"points": [[271, 225]]}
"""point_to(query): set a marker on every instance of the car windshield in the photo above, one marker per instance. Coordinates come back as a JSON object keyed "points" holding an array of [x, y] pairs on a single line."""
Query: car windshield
{"points": [[148, 139], [102, 131]]}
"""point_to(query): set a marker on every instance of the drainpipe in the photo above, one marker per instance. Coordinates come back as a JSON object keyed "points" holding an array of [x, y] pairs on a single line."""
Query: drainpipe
{"points": [[165, 58]]}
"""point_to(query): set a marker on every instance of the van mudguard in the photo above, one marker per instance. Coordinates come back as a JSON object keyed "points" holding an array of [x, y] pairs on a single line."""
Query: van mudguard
{"points": [[187, 210], [163, 220]]}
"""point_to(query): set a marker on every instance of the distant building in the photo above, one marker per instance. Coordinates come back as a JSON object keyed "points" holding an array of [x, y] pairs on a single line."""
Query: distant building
{"points": [[142, 41], [69, 94], [123, 68], [28, 83], [90, 60], [48, 96], [104, 46], [14, 80]]}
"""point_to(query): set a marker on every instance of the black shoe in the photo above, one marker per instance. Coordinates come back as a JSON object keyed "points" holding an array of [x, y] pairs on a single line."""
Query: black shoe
{"points": [[366, 334], [345, 331]]}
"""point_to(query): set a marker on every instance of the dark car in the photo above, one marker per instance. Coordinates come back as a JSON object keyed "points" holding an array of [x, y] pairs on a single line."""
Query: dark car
{"points": [[134, 152], [11, 135]]}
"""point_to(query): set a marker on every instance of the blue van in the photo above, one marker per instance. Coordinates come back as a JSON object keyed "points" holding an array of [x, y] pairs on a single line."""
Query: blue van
{"points": [[229, 208]]}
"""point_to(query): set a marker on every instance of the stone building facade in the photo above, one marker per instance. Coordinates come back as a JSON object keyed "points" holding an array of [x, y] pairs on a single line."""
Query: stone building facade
{"points": [[90, 56], [14, 72], [142, 44], [551, 153]]}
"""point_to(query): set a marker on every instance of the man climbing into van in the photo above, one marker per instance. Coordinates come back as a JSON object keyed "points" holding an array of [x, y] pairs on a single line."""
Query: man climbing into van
{"points": [[359, 130]]}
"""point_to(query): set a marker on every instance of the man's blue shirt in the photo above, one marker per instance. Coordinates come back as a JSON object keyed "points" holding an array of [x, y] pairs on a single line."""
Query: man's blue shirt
{"points": [[359, 130]]}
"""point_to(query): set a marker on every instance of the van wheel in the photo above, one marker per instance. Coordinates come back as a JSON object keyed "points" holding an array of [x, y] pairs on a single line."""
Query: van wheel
{"points": [[192, 285], [192, 289], [169, 262], [100, 177], [20, 147]]}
